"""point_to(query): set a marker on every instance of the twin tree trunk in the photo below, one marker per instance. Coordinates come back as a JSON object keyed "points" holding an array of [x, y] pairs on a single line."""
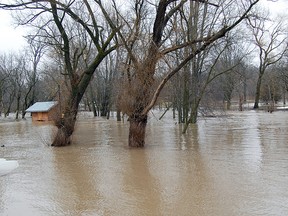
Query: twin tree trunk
{"points": [[66, 124], [141, 88], [139, 95], [138, 123]]}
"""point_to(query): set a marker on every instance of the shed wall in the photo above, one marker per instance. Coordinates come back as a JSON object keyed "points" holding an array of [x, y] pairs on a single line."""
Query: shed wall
{"points": [[40, 116], [45, 116]]}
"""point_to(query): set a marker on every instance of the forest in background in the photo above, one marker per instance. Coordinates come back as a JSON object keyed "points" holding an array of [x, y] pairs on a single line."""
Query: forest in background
{"points": [[191, 56]]}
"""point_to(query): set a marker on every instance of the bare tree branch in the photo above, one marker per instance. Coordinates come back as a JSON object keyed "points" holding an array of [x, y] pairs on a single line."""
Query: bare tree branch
{"points": [[221, 33]]}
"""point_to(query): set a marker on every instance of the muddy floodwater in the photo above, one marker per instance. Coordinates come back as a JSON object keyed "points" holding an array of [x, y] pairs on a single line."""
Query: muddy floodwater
{"points": [[235, 165]]}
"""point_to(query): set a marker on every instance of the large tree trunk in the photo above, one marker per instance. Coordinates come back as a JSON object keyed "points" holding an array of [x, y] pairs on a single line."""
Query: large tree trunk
{"points": [[137, 130], [63, 136], [65, 122], [65, 127], [137, 98], [258, 89]]}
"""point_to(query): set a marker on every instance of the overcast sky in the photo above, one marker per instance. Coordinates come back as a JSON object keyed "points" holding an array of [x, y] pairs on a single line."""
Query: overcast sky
{"points": [[11, 38]]}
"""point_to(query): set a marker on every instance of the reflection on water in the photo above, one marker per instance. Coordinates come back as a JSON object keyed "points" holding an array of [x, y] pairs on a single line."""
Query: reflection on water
{"points": [[222, 166]]}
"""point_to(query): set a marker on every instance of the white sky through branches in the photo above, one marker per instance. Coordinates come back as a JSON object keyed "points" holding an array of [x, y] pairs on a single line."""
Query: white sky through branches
{"points": [[11, 36]]}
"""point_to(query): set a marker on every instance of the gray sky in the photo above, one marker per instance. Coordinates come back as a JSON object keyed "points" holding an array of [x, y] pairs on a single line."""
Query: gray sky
{"points": [[11, 38]]}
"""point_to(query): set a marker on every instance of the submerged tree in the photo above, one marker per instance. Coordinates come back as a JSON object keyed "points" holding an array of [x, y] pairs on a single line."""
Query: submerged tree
{"points": [[147, 49], [143, 32], [62, 25], [271, 41]]}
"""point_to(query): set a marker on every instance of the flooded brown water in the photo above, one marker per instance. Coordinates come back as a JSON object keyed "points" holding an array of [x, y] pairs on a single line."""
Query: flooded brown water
{"points": [[222, 166]]}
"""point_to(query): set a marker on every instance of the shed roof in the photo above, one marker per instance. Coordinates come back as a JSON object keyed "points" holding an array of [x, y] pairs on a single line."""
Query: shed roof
{"points": [[42, 106]]}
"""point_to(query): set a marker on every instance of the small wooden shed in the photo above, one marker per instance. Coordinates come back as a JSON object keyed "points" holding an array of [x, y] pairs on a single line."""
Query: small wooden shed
{"points": [[44, 111]]}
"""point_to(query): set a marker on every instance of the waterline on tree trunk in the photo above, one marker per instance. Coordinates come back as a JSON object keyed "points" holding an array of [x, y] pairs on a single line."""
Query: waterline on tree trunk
{"points": [[137, 130], [65, 130]]}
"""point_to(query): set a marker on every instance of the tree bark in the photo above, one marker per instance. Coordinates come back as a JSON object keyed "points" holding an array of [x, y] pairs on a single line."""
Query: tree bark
{"points": [[137, 130], [18, 104], [193, 114], [65, 125], [258, 89], [63, 136], [93, 101]]}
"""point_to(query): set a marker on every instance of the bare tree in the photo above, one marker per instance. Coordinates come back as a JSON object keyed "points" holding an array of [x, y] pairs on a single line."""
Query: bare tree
{"points": [[3, 78], [13, 68], [142, 32], [105, 82], [271, 88], [232, 62], [147, 50], [36, 52], [271, 43], [62, 23], [283, 76]]}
